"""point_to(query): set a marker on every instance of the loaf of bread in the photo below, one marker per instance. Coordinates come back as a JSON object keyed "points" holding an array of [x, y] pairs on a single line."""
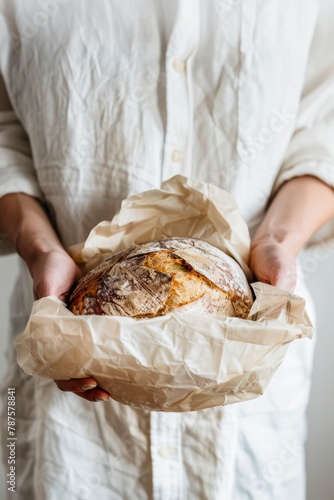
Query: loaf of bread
{"points": [[158, 277]]}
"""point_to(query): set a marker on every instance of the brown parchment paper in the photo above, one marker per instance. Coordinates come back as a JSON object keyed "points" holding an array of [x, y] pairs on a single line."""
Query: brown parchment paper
{"points": [[177, 362]]}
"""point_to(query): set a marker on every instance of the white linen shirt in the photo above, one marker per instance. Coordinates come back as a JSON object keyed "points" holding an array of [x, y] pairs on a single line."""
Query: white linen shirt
{"points": [[110, 98]]}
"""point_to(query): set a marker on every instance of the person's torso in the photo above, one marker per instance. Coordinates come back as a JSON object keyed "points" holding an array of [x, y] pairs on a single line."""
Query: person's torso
{"points": [[118, 97]]}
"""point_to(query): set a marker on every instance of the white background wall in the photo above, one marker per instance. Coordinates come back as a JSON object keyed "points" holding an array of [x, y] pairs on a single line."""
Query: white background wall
{"points": [[320, 456]]}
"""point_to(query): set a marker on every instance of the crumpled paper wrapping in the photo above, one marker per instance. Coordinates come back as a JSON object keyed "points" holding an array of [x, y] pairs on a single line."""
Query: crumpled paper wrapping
{"points": [[177, 362]]}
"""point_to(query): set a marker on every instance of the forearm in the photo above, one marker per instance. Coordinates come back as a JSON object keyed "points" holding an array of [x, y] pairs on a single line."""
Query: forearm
{"points": [[298, 210], [25, 223]]}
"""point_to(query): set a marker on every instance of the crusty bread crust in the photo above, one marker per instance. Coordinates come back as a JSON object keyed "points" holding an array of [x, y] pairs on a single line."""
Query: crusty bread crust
{"points": [[158, 277], [187, 285]]}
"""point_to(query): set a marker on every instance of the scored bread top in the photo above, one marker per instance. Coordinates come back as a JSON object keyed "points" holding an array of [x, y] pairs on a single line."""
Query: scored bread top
{"points": [[154, 278]]}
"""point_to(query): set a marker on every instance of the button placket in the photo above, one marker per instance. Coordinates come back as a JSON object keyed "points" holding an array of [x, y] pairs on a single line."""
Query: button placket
{"points": [[166, 453], [182, 44]]}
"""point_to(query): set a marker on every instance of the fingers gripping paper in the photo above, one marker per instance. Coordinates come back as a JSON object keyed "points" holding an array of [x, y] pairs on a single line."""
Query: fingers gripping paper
{"points": [[177, 362]]}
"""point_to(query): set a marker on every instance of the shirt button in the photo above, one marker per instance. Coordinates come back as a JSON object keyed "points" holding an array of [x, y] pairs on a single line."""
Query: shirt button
{"points": [[177, 155], [179, 65], [165, 451]]}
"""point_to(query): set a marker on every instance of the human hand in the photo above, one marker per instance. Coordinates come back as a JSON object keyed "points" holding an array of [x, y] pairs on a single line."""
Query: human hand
{"points": [[55, 273], [271, 262], [86, 388]]}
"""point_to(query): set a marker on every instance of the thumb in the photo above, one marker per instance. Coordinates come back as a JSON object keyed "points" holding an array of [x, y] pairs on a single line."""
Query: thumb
{"points": [[63, 294], [285, 278]]}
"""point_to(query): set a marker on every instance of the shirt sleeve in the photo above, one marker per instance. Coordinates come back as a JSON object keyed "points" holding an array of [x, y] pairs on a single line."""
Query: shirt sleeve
{"points": [[311, 149], [17, 173]]}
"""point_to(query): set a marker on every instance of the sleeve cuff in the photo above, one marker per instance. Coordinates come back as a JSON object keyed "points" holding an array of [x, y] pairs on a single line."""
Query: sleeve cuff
{"points": [[16, 180], [19, 181], [324, 171]]}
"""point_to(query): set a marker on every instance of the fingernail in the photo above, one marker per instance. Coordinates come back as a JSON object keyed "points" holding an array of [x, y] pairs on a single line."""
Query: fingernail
{"points": [[99, 398], [88, 386]]}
